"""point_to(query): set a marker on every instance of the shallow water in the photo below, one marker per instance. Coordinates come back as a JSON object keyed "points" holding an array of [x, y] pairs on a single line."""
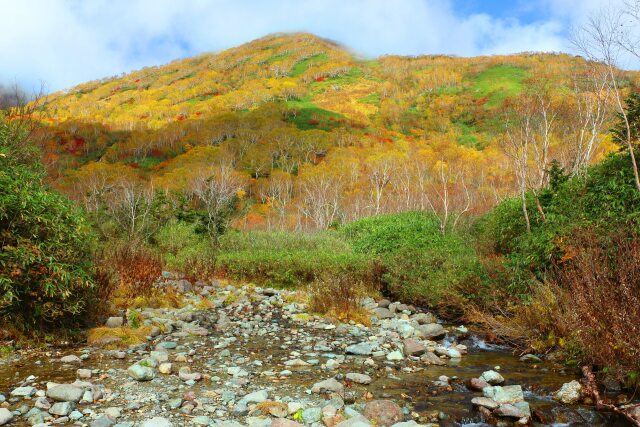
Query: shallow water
{"points": [[416, 388]]}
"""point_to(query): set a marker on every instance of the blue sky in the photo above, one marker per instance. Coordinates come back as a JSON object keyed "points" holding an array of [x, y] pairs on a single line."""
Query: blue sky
{"points": [[66, 42]]}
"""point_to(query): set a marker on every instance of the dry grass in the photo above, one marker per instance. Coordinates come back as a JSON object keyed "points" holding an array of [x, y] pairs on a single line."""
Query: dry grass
{"points": [[157, 298], [339, 298], [603, 283], [121, 337]]}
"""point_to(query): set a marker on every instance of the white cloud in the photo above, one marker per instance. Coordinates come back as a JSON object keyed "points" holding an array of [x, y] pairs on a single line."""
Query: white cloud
{"points": [[66, 42]]}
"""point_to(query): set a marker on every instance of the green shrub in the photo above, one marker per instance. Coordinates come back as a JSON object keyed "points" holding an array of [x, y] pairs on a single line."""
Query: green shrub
{"points": [[185, 250], [289, 259], [46, 246], [421, 264]]}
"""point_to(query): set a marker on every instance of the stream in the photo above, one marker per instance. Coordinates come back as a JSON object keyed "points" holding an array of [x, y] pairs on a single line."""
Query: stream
{"points": [[260, 341]]}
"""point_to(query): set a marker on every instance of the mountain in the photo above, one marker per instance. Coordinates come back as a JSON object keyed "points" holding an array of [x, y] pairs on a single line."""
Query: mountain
{"points": [[291, 113]]}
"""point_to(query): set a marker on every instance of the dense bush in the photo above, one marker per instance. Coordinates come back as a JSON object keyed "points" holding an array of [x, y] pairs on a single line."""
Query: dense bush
{"points": [[421, 264], [185, 250], [289, 259], [46, 244]]}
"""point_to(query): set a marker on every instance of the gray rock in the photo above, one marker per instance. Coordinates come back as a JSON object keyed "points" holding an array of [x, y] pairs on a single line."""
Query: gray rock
{"points": [[5, 416], [65, 393], [431, 330], [62, 409], [570, 393], [485, 402], [355, 421], [141, 373], [114, 322], [330, 385], [383, 313], [71, 358], [27, 391], [312, 415], [413, 347], [256, 397], [359, 378], [430, 358], [157, 422], [492, 377], [283, 422], [506, 394], [361, 349], [510, 411]]}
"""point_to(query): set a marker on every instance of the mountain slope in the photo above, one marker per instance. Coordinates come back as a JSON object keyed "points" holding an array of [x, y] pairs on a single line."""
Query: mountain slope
{"points": [[286, 107]]}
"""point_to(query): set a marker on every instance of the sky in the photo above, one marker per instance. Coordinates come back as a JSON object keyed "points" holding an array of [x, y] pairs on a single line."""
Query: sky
{"points": [[62, 43]]}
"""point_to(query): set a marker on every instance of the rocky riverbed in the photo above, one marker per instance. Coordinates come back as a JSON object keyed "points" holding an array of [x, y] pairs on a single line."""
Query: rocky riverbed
{"points": [[248, 356]]}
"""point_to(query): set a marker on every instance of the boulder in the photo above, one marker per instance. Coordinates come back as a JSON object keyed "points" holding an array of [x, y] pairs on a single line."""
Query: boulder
{"points": [[504, 394], [65, 393], [114, 322], [570, 393], [383, 313], [431, 330], [61, 409], [360, 349], [383, 412], [492, 377], [358, 378], [485, 402], [141, 373], [413, 347], [430, 358], [330, 385], [5, 416]]}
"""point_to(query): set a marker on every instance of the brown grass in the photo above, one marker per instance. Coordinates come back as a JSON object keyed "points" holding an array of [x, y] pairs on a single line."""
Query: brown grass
{"points": [[340, 297], [590, 310], [117, 337], [603, 310]]}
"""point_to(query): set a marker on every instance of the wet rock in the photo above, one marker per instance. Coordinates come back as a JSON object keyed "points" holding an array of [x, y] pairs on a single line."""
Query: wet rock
{"points": [[413, 347], [330, 385], [510, 411], [485, 402], [492, 377], [65, 393], [504, 394], [383, 412], [530, 358], [359, 378], [431, 330], [61, 409], [430, 358], [477, 384], [570, 393], [114, 322], [6, 416]]}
